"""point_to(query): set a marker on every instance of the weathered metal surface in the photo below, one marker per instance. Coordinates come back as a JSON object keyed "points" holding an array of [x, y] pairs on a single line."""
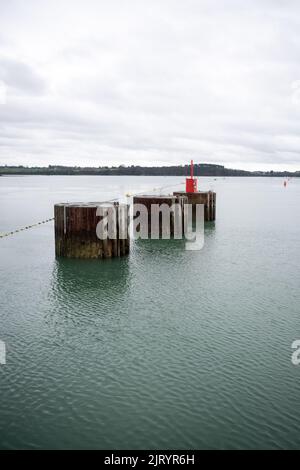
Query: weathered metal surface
{"points": [[208, 198], [76, 236], [149, 200]]}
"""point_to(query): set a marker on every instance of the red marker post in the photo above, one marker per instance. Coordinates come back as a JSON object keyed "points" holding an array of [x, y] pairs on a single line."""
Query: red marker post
{"points": [[191, 184]]}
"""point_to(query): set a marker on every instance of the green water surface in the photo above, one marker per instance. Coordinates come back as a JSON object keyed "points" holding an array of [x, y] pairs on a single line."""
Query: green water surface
{"points": [[163, 349]]}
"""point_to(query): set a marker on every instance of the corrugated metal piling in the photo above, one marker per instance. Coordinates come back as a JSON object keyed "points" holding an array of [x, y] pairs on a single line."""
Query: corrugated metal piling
{"points": [[176, 217], [79, 226], [76, 232], [208, 198]]}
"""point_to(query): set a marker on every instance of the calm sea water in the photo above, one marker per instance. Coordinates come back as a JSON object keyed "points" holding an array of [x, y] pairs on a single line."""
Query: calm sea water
{"points": [[163, 349]]}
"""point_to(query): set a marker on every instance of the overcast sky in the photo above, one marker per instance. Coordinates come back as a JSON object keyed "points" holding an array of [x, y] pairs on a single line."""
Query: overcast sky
{"points": [[94, 82]]}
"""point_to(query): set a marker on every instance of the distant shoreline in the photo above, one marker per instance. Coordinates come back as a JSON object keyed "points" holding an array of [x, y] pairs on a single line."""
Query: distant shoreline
{"points": [[201, 169]]}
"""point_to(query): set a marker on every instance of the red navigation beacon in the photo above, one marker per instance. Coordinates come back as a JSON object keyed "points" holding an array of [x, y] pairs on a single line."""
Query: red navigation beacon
{"points": [[191, 183]]}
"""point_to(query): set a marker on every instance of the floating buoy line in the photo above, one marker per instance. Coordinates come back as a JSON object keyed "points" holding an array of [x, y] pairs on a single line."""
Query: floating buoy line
{"points": [[28, 227]]}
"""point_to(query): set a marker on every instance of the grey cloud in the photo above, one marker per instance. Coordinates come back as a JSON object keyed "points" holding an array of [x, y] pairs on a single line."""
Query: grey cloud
{"points": [[145, 82], [21, 76]]}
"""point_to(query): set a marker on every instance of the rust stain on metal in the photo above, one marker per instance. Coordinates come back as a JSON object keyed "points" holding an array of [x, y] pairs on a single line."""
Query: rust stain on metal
{"points": [[208, 198], [76, 237]]}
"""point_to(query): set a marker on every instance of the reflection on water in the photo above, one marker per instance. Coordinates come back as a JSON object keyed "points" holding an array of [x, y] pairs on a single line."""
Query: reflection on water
{"points": [[84, 293], [82, 288], [90, 277]]}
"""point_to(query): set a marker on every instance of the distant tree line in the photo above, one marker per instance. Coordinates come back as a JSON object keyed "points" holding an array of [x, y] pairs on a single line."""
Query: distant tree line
{"points": [[200, 169]]}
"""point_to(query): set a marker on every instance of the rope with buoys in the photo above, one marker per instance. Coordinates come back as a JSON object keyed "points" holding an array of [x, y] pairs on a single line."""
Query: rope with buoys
{"points": [[154, 189], [3, 235], [13, 232]]}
